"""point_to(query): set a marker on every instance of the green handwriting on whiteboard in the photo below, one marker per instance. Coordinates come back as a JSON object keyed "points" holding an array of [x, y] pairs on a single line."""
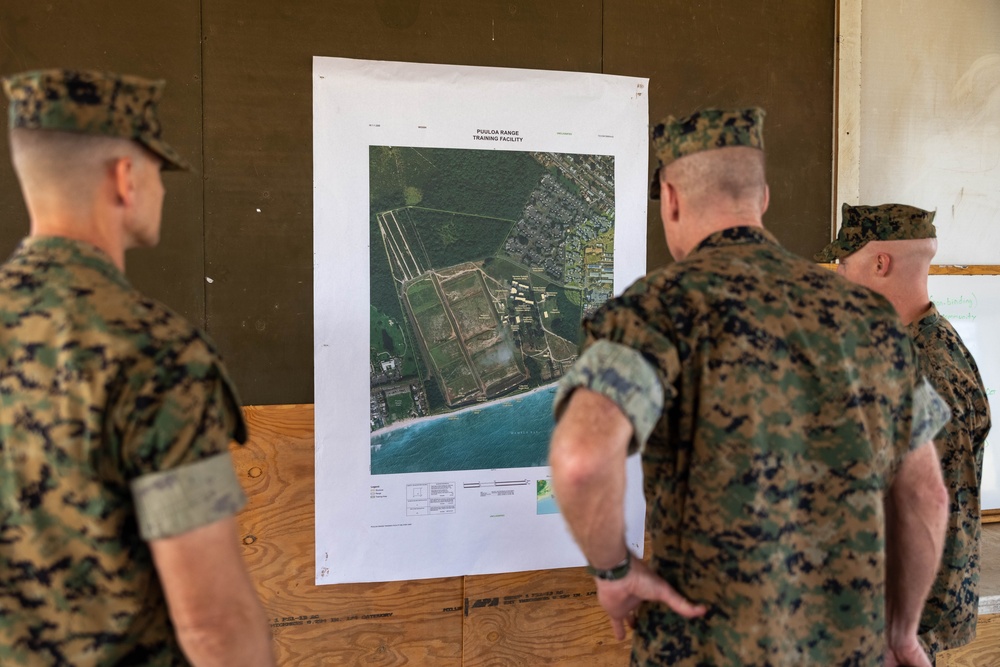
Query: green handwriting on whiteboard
{"points": [[961, 307]]}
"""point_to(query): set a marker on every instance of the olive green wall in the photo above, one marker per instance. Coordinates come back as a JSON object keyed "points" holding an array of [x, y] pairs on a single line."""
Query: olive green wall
{"points": [[238, 104]]}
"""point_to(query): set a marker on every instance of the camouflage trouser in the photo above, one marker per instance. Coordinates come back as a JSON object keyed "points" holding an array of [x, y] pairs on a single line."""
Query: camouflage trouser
{"points": [[931, 647]]}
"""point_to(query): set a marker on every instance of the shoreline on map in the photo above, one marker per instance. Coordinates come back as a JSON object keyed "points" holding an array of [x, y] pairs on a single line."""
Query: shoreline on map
{"points": [[478, 406]]}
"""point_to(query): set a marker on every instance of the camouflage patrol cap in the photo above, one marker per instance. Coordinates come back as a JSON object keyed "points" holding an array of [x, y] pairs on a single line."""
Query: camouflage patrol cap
{"points": [[90, 102], [885, 222], [674, 138]]}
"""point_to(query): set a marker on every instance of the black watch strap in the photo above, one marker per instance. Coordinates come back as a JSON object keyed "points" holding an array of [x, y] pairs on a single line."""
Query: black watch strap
{"points": [[615, 573]]}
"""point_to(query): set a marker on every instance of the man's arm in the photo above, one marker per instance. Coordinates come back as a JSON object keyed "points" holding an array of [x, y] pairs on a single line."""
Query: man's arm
{"points": [[216, 614], [587, 455], [916, 511]]}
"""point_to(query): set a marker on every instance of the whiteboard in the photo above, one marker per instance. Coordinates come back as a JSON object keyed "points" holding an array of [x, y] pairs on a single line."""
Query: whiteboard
{"points": [[972, 305], [920, 88]]}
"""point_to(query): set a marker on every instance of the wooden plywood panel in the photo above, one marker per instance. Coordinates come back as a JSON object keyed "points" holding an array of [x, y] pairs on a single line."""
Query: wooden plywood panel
{"points": [[395, 623], [258, 143], [983, 652], [527, 618], [538, 618], [775, 55], [155, 40]]}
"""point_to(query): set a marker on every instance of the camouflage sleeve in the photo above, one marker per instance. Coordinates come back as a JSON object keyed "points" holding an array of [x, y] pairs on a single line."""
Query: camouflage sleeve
{"points": [[622, 375], [177, 412], [930, 414], [633, 362], [172, 502]]}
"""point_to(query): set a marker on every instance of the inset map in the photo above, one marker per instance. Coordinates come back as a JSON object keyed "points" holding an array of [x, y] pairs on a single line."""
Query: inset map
{"points": [[483, 264], [545, 500]]}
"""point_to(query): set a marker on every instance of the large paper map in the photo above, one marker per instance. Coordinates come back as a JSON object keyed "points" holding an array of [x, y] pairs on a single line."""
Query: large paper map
{"points": [[466, 220]]}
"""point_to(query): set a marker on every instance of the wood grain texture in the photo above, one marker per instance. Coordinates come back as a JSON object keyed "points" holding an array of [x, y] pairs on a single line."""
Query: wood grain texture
{"points": [[538, 618], [524, 618], [395, 623], [983, 652], [970, 270]]}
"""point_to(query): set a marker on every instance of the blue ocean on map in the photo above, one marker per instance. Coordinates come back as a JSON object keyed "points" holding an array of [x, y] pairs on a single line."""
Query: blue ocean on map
{"points": [[547, 505], [509, 433]]}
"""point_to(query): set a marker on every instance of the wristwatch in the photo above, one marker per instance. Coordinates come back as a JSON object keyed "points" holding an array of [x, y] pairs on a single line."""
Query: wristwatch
{"points": [[615, 573]]}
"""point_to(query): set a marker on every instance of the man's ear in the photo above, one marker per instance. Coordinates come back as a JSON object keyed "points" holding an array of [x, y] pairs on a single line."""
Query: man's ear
{"points": [[883, 264], [124, 180], [672, 206]]}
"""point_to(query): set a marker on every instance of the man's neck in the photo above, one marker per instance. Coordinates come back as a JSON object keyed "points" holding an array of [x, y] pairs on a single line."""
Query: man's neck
{"points": [[78, 230], [709, 226], [912, 310], [910, 300]]}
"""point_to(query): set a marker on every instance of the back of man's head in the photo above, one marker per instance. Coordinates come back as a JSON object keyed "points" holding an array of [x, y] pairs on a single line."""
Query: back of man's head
{"points": [[714, 157], [887, 248], [731, 178], [908, 263], [65, 168], [68, 129]]}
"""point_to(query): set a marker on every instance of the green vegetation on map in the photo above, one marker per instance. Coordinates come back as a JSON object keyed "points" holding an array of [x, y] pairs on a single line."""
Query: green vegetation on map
{"points": [[389, 341], [492, 183], [400, 405], [544, 489], [482, 265], [448, 237]]}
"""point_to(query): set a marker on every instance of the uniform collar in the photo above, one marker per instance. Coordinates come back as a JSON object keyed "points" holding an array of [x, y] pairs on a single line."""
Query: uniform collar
{"points": [[64, 251], [926, 321], [732, 236]]}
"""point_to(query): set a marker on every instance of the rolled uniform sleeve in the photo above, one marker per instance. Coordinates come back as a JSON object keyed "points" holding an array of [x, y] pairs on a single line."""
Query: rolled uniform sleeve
{"points": [[176, 422], [629, 361], [930, 414]]}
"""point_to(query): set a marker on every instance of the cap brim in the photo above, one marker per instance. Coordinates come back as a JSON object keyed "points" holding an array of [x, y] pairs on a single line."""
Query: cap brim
{"points": [[172, 161], [831, 253]]}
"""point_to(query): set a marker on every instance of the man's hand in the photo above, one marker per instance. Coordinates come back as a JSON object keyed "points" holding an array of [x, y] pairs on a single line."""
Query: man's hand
{"points": [[906, 652], [621, 598]]}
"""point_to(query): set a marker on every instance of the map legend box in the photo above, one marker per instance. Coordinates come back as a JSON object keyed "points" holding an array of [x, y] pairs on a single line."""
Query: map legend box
{"points": [[432, 498]]}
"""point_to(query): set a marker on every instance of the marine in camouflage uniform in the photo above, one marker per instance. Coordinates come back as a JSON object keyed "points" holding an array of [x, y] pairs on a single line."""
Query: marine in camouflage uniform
{"points": [[115, 419], [951, 612], [772, 403]]}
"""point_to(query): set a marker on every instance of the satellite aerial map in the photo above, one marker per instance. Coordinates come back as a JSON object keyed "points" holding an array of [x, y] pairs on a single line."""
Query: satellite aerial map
{"points": [[483, 264]]}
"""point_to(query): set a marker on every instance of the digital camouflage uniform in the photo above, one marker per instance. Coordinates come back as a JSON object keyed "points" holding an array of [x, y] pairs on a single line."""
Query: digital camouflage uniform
{"points": [[951, 611], [115, 420], [772, 402]]}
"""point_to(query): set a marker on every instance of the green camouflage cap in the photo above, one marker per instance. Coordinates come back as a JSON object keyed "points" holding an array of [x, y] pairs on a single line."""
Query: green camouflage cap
{"points": [[885, 222], [90, 102], [674, 138]]}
